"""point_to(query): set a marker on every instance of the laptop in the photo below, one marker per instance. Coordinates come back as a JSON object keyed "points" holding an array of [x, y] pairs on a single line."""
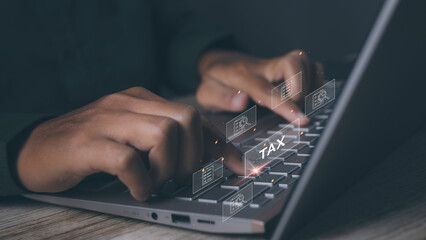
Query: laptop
{"points": [[378, 105]]}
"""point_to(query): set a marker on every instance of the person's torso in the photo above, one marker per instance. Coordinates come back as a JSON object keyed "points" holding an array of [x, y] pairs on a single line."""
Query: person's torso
{"points": [[56, 56]]}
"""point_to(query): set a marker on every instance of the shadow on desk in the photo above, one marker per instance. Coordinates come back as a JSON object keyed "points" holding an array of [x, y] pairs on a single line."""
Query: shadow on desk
{"points": [[389, 203]]}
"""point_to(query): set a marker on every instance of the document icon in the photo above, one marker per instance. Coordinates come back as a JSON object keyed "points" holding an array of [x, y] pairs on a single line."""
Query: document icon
{"points": [[207, 174], [285, 90]]}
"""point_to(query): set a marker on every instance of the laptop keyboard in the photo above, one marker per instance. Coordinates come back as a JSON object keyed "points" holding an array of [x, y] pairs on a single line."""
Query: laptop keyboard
{"points": [[275, 178]]}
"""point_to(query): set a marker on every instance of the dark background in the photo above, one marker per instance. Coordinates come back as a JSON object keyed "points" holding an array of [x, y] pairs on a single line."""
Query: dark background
{"points": [[325, 29]]}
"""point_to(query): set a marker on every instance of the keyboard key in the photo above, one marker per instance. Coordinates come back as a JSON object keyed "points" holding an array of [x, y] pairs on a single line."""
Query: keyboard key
{"points": [[187, 194], [300, 146], [215, 195], [259, 172], [251, 143], [274, 129], [311, 140], [274, 191], [328, 111], [227, 173], [244, 148], [322, 116], [262, 136], [236, 183], [313, 134], [170, 188], [297, 173], [287, 182], [292, 134], [273, 163], [311, 126], [305, 155], [281, 131], [267, 179], [296, 147], [302, 129], [259, 189], [296, 160], [304, 150], [289, 148], [259, 201], [321, 122], [282, 170], [286, 155], [286, 125], [314, 131]]}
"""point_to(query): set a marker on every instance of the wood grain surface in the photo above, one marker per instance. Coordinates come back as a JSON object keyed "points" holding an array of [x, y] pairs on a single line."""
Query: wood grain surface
{"points": [[389, 203]]}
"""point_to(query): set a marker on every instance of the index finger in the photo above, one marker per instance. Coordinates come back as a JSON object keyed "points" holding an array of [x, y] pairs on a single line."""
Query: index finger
{"points": [[260, 90], [216, 146]]}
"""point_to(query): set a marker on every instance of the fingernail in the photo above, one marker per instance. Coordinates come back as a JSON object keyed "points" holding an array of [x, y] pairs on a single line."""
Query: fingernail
{"points": [[238, 101]]}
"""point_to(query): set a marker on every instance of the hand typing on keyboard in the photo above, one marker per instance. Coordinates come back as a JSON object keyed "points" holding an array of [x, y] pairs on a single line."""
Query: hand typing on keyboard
{"points": [[113, 135], [229, 79]]}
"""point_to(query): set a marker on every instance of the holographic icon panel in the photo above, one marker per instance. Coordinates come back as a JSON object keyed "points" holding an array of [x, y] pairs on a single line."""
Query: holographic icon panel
{"points": [[207, 175], [286, 90], [271, 148], [238, 201], [320, 97], [241, 124]]}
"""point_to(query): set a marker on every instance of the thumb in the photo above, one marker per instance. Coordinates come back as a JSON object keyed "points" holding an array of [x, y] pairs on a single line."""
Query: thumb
{"points": [[215, 96]]}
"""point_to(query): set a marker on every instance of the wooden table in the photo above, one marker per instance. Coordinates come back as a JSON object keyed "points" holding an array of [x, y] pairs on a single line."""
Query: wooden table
{"points": [[388, 203]]}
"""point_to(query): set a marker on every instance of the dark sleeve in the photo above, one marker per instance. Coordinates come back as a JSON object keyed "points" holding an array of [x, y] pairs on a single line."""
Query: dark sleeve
{"points": [[14, 128], [182, 38], [56, 56], [21, 88]]}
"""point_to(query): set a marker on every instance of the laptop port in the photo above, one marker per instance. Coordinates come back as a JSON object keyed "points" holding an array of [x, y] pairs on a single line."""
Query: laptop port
{"points": [[205, 221], [154, 216], [180, 219]]}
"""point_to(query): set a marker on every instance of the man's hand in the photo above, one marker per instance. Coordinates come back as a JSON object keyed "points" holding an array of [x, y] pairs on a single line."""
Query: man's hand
{"points": [[229, 79], [109, 135]]}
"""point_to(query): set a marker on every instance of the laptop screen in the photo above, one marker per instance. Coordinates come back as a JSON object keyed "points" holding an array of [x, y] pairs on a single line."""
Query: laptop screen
{"points": [[366, 110]]}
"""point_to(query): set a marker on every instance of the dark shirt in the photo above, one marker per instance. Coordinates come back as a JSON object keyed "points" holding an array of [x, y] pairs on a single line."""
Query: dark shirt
{"points": [[56, 56]]}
